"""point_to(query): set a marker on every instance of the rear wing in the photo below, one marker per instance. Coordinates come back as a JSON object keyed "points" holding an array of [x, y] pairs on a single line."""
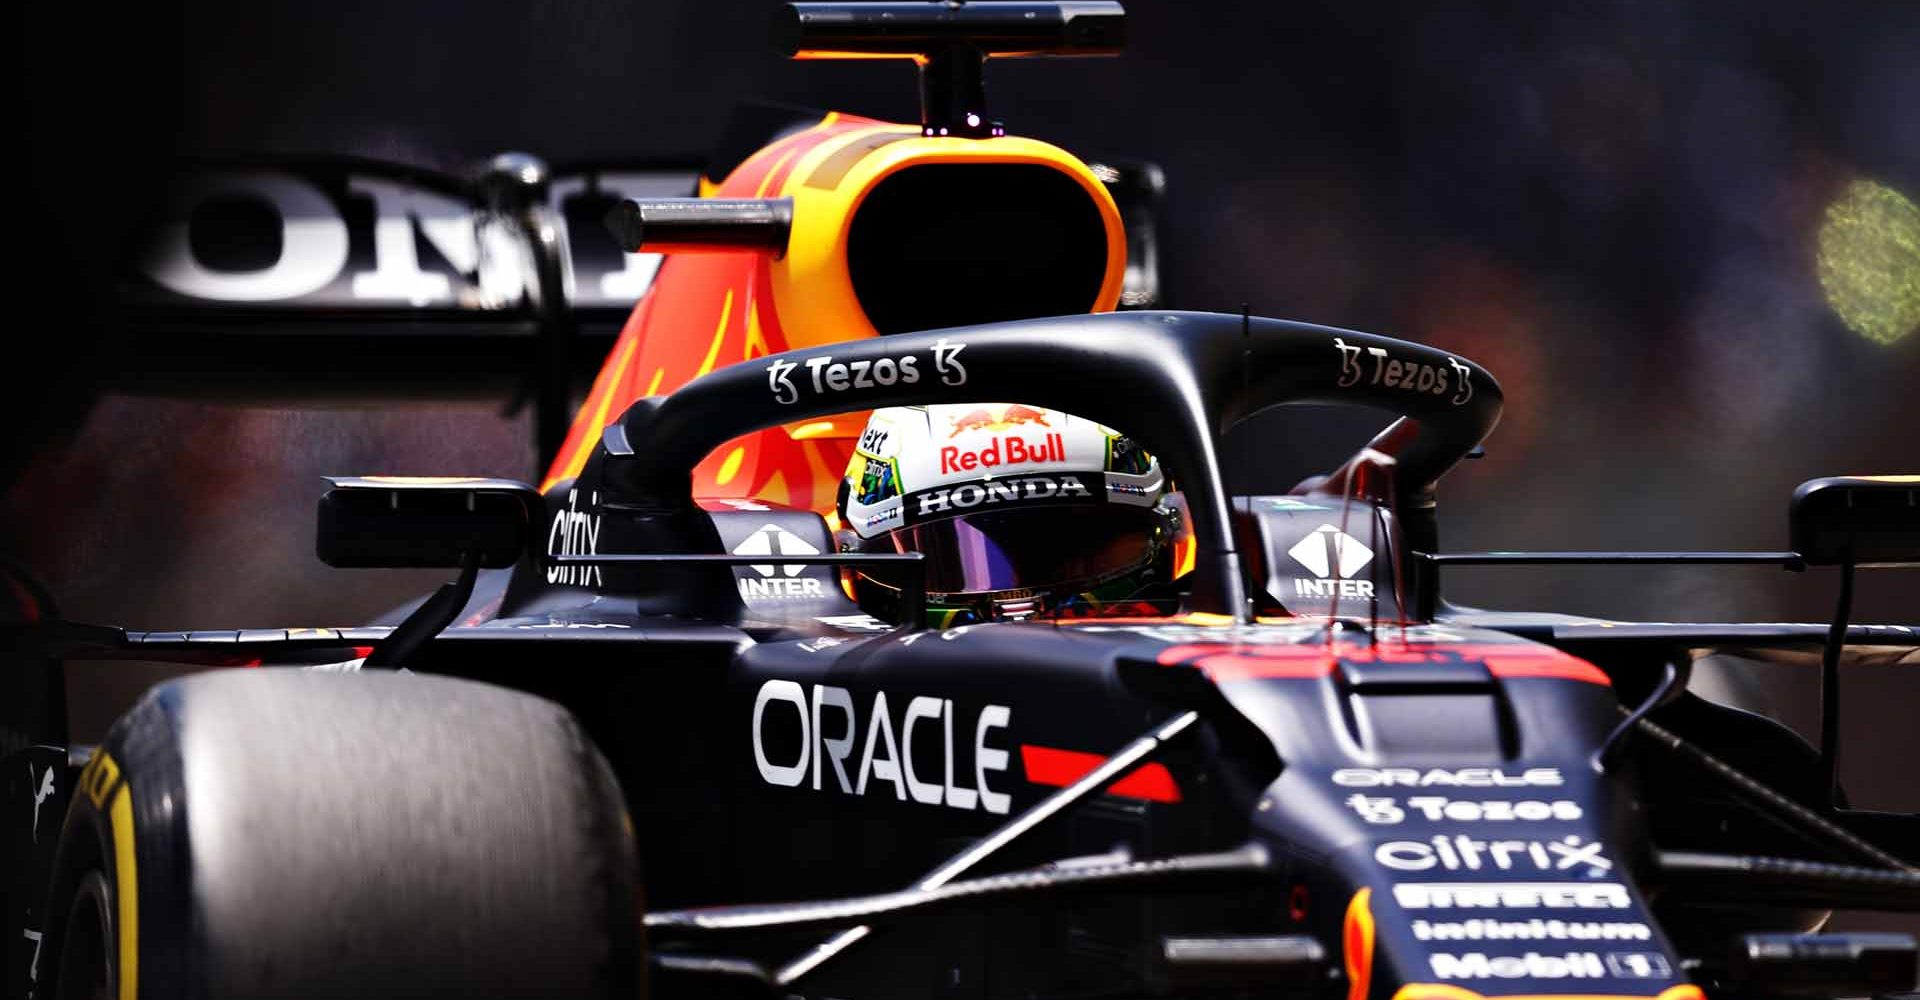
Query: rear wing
{"points": [[329, 279]]}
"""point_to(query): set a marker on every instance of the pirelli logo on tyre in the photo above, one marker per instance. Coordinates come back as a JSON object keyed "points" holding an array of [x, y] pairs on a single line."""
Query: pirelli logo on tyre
{"points": [[99, 778]]}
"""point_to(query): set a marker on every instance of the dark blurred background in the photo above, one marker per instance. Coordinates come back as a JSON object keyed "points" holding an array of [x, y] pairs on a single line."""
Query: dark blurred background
{"points": [[1683, 234]]}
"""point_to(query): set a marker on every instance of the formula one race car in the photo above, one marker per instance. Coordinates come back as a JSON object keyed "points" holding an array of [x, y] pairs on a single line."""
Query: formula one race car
{"points": [[1021, 703]]}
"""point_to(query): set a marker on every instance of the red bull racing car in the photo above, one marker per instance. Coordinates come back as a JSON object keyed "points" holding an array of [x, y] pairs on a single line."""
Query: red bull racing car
{"points": [[885, 626]]}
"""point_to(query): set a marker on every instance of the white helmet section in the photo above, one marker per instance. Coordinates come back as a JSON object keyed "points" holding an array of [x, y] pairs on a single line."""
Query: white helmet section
{"points": [[916, 464]]}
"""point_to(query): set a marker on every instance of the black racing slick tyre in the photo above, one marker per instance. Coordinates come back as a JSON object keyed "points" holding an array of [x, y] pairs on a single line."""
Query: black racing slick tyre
{"points": [[277, 833]]}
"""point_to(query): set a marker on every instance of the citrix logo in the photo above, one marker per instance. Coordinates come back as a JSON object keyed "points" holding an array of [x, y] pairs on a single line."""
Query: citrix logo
{"points": [[575, 533], [1463, 853]]}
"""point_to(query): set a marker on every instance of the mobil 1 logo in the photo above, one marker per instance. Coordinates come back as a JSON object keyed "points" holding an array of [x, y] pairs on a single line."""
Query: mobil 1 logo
{"points": [[1550, 965]]}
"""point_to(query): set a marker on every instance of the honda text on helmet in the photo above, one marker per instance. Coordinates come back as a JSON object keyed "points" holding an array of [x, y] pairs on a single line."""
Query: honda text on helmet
{"points": [[1019, 512]]}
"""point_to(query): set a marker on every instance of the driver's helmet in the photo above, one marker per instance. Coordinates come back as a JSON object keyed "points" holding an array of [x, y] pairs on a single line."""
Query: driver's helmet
{"points": [[1019, 511]]}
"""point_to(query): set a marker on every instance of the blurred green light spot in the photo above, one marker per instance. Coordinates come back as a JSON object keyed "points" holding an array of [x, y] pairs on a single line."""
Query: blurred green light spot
{"points": [[1869, 261]]}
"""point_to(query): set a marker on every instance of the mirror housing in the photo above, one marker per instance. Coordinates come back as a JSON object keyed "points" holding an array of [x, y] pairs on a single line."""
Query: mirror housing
{"points": [[1862, 520], [406, 522]]}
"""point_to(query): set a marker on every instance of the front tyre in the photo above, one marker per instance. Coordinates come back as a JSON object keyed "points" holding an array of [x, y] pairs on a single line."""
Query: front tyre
{"points": [[265, 833]]}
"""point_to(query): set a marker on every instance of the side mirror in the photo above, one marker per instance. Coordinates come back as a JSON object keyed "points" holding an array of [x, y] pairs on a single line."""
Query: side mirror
{"points": [[1862, 520], [402, 522]]}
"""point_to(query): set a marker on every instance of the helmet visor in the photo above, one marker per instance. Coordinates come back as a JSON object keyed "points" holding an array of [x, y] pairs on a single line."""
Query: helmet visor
{"points": [[1034, 547]]}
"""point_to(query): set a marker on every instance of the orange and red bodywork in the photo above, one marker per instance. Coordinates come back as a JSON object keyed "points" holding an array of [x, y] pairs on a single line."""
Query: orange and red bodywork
{"points": [[706, 310]]}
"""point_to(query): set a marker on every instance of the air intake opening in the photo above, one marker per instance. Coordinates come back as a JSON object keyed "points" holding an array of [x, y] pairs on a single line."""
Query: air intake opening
{"points": [[956, 244]]}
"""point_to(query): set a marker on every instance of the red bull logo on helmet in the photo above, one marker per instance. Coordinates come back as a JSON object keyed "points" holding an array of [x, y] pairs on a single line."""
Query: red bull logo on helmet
{"points": [[983, 419], [1008, 450]]}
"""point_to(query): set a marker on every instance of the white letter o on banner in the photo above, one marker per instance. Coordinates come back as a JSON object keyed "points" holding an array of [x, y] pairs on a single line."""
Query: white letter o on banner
{"points": [[791, 693], [313, 241]]}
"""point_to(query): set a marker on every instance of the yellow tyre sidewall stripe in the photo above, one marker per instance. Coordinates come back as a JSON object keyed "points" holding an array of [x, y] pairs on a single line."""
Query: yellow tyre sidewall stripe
{"points": [[127, 892], [99, 780]]}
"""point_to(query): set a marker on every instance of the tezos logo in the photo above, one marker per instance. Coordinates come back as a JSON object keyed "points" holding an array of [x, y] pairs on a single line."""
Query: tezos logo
{"points": [[826, 375], [786, 581], [1413, 376], [1334, 557], [1383, 810]]}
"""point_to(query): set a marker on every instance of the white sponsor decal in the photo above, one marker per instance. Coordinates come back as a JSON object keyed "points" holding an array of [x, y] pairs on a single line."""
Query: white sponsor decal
{"points": [[33, 964], [1459, 852], [1639, 965], [339, 667], [784, 581], [967, 495], [313, 241], [1535, 929], [481, 259], [946, 361], [1532, 965], [399, 212], [1384, 810], [1443, 777], [824, 375], [874, 439], [1413, 376], [40, 795], [314, 244], [1333, 557], [854, 623], [1375, 809], [1512, 896], [883, 760], [568, 625], [575, 533]]}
